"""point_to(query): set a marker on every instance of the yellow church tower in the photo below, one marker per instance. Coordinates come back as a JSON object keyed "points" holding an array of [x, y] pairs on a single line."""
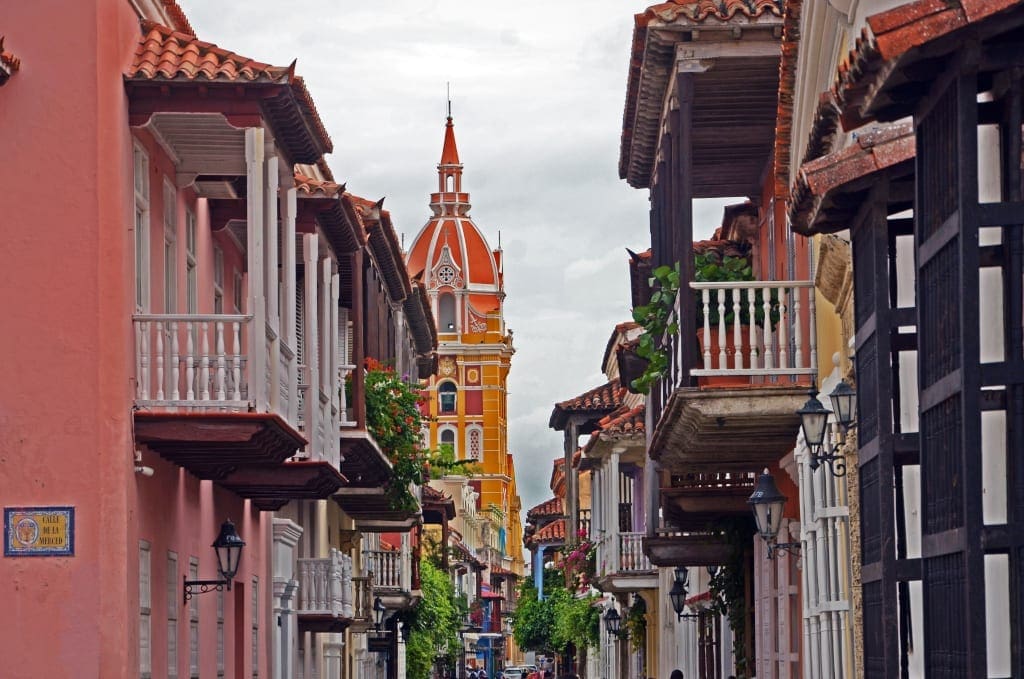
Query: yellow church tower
{"points": [[464, 281]]}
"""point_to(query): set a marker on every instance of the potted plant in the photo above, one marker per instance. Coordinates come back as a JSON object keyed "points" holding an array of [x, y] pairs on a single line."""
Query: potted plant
{"points": [[711, 266]]}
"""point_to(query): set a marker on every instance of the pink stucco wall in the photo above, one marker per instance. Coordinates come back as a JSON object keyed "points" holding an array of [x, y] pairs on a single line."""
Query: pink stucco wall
{"points": [[66, 403]]}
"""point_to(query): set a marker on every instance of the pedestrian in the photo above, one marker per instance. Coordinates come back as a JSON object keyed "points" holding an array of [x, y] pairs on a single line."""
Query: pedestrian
{"points": [[474, 675], [676, 674]]}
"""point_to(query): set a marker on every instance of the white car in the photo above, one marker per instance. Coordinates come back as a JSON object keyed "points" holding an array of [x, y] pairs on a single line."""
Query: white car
{"points": [[513, 672]]}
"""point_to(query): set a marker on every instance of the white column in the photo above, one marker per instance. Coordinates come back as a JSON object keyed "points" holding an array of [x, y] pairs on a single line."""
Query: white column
{"points": [[286, 538], [288, 211], [254, 227], [406, 564], [613, 529], [334, 384], [596, 515], [333, 654], [325, 323], [310, 337], [271, 283]]}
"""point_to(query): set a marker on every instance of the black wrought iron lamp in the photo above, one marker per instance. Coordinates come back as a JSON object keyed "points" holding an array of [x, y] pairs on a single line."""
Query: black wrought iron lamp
{"points": [[378, 613], [814, 422], [612, 622], [228, 547], [767, 503], [677, 595]]}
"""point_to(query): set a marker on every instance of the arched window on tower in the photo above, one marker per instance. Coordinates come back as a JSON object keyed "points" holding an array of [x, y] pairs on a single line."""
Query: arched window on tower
{"points": [[448, 439], [447, 395], [474, 443], [449, 183], [446, 312]]}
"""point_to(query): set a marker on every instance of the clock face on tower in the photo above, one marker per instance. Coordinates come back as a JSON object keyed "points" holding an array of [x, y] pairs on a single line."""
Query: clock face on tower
{"points": [[446, 275]]}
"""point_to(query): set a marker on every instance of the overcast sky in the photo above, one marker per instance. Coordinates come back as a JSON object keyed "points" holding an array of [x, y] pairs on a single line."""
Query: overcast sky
{"points": [[538, 89]]}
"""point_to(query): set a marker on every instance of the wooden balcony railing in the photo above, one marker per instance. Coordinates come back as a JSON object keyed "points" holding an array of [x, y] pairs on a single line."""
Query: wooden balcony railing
{"points": [[362, 598], [390, 569], [631, 554], [203, 362], [584, 523], [326, 586], [783, 351]]}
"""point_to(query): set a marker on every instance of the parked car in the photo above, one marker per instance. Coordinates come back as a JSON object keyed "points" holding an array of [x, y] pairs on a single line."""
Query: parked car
{"points": [[513, 672]]}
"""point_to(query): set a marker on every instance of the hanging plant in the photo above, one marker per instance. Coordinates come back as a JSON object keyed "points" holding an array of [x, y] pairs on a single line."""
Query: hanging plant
{"points": [[636, 624], [654, 317], [395, 419]]}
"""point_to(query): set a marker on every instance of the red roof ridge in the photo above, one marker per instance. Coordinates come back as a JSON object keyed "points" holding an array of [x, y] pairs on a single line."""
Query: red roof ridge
{"points": [[701, 10]]}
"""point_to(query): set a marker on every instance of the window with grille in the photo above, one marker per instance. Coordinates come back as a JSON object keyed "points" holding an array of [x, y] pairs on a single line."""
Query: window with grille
{"points": [[170, 251], [193, 622], [141, 228], [191, 268], [218, 280], [145, 610], [474, 443], [447, 394], [172, 614]]}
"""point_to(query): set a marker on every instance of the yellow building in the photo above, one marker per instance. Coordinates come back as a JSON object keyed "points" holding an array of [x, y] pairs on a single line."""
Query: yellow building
{"points": [[463, 278]]}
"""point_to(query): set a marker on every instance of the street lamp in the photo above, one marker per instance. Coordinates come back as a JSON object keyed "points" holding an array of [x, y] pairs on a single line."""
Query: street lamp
{"points": [[677, 595], [378, 613], [814, 422], [228, 548], [767, 503], [612, 621]]}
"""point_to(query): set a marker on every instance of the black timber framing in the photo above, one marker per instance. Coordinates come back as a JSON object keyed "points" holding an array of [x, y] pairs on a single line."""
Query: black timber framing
{"points": [[874, 320]]}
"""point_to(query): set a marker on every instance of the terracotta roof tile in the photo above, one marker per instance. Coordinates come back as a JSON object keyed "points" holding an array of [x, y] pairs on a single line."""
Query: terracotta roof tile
{"points": [[702, 10], [552, 507], [787, 84], [165, 54], [553, 532], [624, 422], [890, 37], [608, 396], [178, 18], [878, 149], [676, 11], [9, 64]]}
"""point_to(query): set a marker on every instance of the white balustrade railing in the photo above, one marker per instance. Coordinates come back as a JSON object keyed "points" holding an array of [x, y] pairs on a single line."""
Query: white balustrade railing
{"points": [[346, 412], [326, 586], [779, 339], [192, 360], [631, 554], [362, 588], [386, 567]]}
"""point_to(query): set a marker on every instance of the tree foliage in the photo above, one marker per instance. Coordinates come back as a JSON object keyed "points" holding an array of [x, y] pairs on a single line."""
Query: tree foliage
{"points": [[434, 622], [559, 621]]}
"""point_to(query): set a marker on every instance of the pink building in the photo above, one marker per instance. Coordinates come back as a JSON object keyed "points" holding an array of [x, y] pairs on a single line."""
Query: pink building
{"points": [[173, 356]]}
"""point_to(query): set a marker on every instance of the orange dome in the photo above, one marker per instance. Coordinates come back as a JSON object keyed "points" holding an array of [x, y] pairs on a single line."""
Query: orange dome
{"points": [[450, 252]]}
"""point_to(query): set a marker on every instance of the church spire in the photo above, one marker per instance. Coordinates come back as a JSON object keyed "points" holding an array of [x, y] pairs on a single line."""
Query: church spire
{"points": [[449, 199]]}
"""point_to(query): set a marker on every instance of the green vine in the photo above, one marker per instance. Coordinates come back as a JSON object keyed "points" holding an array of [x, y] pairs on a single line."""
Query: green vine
{"points": [[636, 624], [653, 317], [395, 419], [728, 588], [434, 623]]}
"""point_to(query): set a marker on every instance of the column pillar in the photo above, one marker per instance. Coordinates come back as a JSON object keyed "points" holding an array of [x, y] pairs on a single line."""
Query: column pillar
{"points": [[254, 166], [271, 281], [311, 336], [613, 529], [288, 212], [286, 538]]}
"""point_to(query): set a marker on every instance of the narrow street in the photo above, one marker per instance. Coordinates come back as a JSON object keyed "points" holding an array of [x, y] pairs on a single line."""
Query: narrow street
{"points": [[454, 340]]}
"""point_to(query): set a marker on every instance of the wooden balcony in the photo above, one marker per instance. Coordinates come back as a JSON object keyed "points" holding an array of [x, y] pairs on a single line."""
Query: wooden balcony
{"points": [[627, 567], [362, 597], [734, 407], [695, 501], [391, 576], [669, 548], [326, 596]]}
